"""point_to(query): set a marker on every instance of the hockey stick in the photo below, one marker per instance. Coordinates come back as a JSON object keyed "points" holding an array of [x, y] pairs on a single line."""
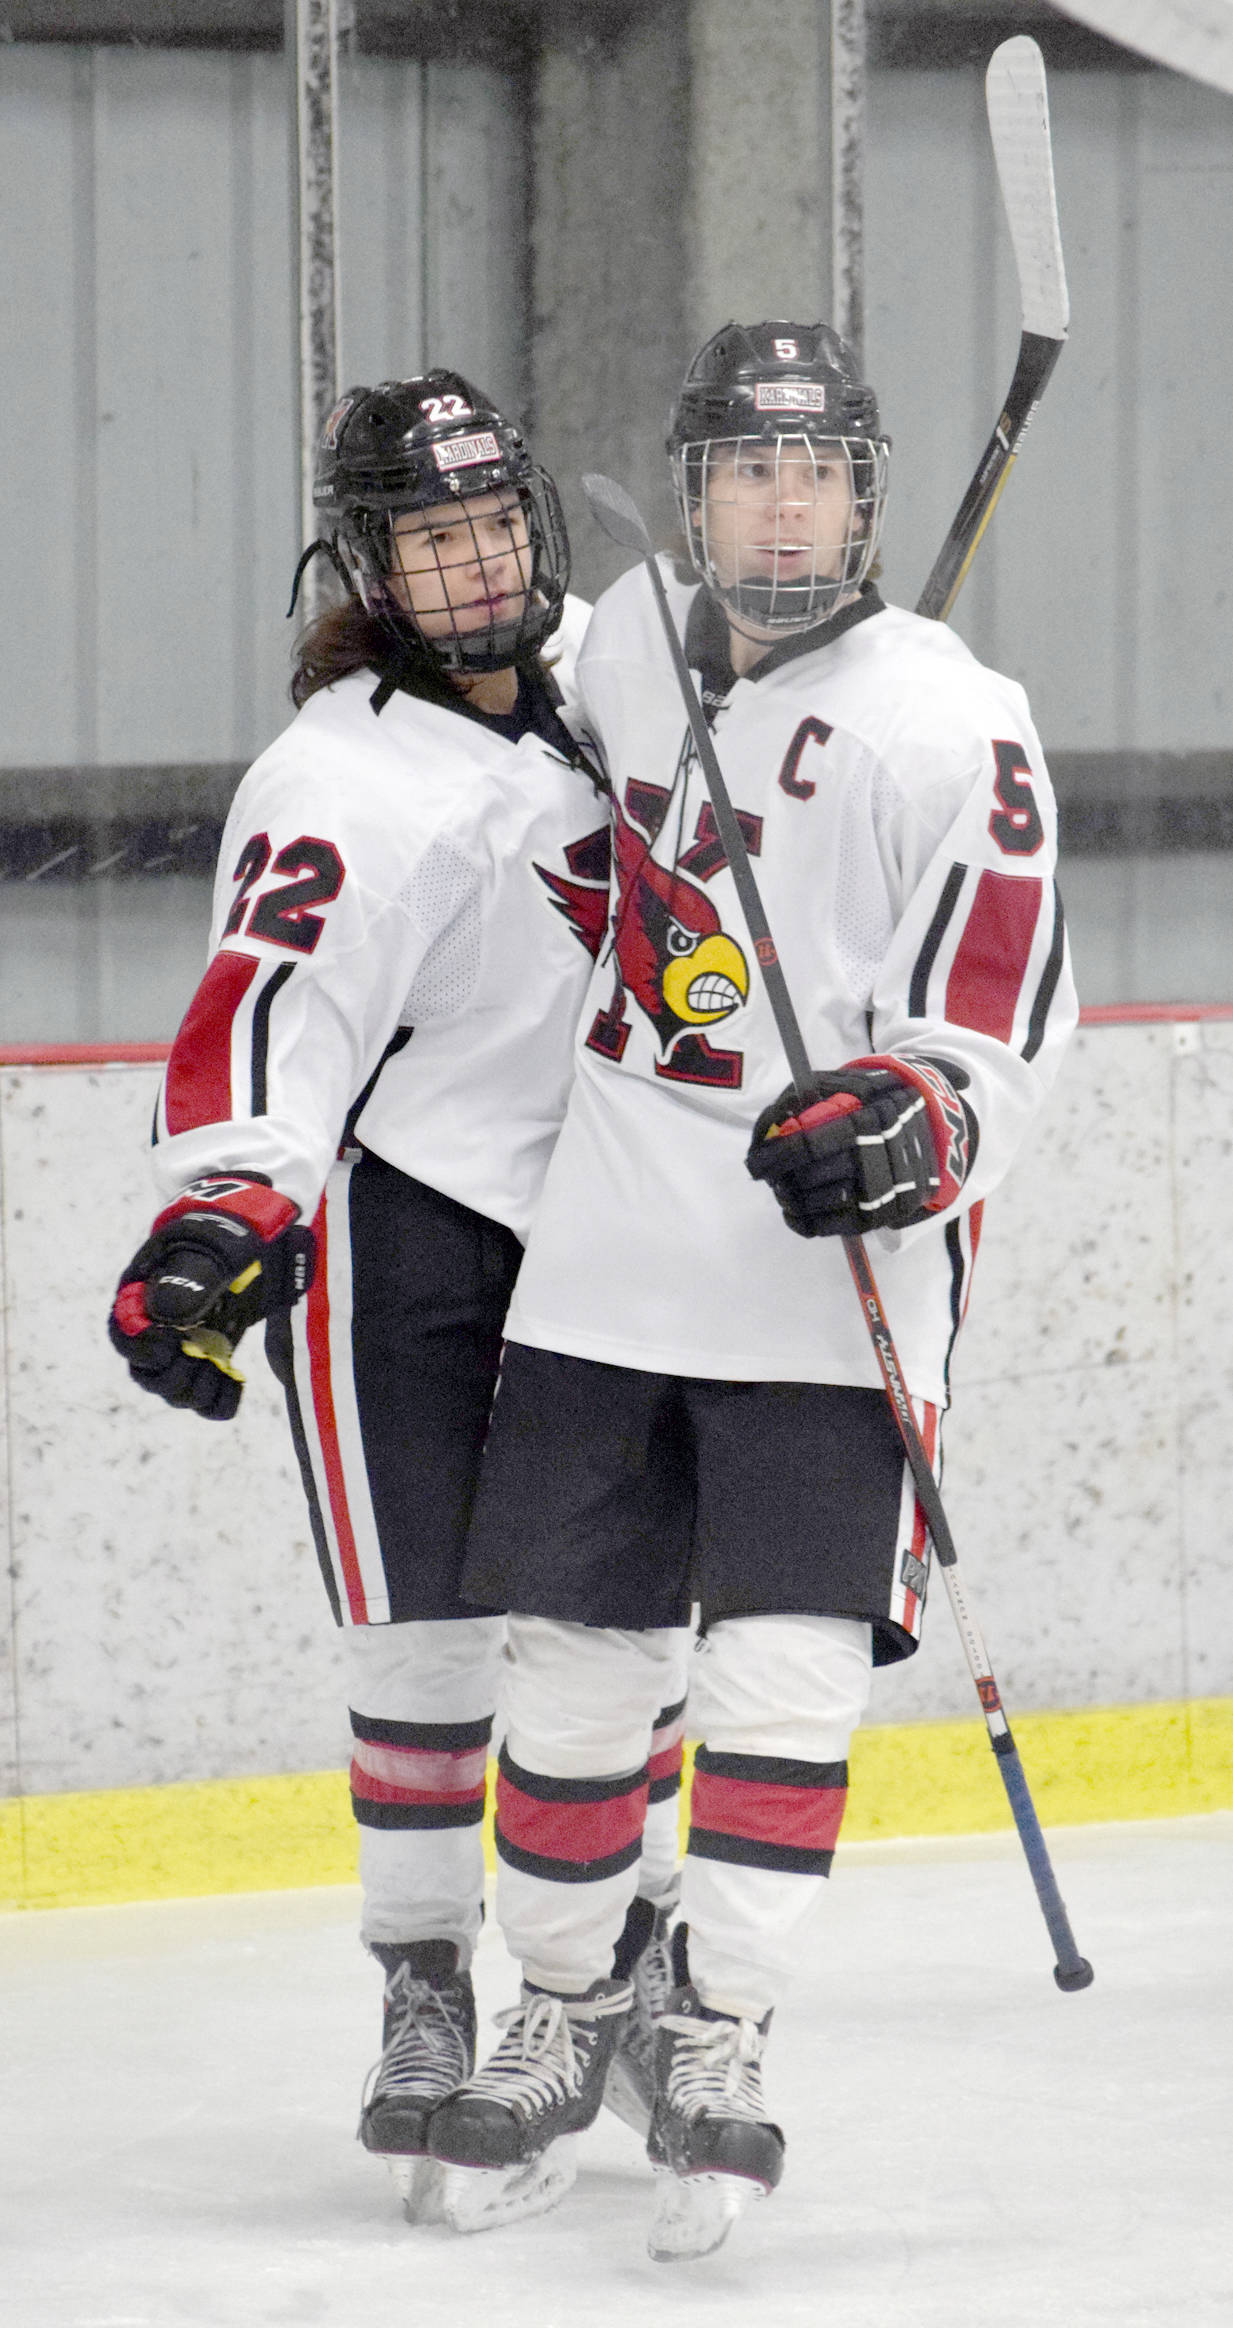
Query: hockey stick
{"points": [[1190, 36], [620, 519], [1018, 107]]}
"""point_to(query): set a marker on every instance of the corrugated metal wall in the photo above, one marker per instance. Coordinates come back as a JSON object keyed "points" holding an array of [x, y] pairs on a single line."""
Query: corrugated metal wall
{"points": [[146, 461], [1105, 578], [146, 467]]}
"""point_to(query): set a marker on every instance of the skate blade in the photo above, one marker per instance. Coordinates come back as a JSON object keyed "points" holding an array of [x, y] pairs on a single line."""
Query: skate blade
{"points": [[420, 2184], [623, 2097], [481, 2198], [694, 2213]]}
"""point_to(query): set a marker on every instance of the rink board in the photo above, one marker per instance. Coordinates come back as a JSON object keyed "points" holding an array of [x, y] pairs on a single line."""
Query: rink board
{"points": [[164, 1638], [925, 1778]]}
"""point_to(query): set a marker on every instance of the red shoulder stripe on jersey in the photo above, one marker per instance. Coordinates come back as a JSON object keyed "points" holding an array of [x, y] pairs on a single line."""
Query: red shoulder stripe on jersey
{"points": [[987, 973], [198, 1086]]}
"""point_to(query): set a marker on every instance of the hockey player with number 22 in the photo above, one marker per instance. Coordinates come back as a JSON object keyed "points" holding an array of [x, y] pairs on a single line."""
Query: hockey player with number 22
{"points": [[412, 882], [689, 1401]]}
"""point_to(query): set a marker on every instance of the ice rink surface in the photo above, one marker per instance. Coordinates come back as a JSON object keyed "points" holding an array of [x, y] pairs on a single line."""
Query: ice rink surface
{"points": [[965, 2145]]}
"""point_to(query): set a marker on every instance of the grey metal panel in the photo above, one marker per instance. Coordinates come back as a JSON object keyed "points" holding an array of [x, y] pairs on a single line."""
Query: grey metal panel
{"points": [[381, 220], [1101, 580], [147, 466], [39, 452], [434, 227], [475, 192]]}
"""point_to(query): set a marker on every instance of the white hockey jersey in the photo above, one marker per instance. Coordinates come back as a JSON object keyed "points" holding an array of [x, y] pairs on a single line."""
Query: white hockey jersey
{"points": [[405, 911], [902, 831]]}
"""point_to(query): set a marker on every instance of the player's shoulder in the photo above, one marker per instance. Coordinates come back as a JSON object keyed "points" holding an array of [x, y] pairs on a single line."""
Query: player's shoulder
{"points": [[380, 786], [560, 652], [908, 683], [626, 621]]}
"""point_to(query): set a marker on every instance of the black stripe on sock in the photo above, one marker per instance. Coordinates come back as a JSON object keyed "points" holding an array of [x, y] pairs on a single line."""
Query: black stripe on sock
{"points": [[568, 1870], [570, 1790], [770, 1770], [742, 1851], [413, 1815], [430, 1737]]}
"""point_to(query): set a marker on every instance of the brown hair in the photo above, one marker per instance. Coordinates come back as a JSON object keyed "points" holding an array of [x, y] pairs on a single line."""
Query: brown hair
{"points": [[348, 638]]}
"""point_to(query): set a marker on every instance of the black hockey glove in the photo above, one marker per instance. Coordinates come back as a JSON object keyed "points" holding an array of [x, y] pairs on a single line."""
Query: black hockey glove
{"points": [[226, 1253], [878, 1144]]}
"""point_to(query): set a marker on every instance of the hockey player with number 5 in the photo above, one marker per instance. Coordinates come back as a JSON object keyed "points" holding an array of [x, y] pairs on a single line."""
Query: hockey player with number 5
{"points": [[690, 1403], [412, 882]]}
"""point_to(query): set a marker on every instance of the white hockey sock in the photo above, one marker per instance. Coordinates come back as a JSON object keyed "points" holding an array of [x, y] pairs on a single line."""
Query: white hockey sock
{"points": [[421, 1700]]}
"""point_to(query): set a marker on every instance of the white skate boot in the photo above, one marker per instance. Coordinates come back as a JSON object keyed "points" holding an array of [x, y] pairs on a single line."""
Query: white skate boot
{"points": [[711, 2144], [506, 2139]]}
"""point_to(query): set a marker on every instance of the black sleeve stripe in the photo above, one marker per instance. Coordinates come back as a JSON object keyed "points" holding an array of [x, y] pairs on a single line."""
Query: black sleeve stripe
{"points": [[261, 1033], [1048, 981], [918, 992], [958, 1271]]}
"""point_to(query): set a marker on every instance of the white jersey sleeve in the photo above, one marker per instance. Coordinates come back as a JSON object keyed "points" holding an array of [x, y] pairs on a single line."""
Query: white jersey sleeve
{"points": [[403, 917]]}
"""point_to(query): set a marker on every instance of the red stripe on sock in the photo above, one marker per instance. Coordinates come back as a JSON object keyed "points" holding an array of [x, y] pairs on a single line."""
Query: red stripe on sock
{"points": [[669, 1764], [570, 1830], [807, 1818], [383, 1790]]}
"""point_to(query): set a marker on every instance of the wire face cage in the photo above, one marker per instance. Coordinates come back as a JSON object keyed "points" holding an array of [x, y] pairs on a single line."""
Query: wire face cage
{"points": [[782, 528], [480, 577]]}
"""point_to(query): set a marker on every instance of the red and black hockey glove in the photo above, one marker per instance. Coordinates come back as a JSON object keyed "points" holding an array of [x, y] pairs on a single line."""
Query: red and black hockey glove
{"points": [[878, 1144], [226, 1253]]}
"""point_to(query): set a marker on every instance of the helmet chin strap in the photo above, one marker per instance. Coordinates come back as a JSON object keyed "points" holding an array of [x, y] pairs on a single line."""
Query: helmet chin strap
{"points": [[754, 602]]}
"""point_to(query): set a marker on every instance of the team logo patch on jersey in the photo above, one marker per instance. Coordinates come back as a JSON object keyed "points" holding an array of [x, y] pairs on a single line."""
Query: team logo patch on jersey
{"points": [[583, 902], [789, 396], [674, 959], [466, 452]]}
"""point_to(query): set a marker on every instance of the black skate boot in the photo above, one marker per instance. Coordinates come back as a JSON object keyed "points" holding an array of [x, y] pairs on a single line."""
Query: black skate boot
{"points": [[711, 2144], [644, 1954], [428, 2050], [505, 2139]]}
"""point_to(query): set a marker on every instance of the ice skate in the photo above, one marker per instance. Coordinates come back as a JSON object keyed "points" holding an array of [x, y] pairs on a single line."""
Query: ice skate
{"points": [[505, 2139], [711, 2144], [428, 2051], [644, 1955]]}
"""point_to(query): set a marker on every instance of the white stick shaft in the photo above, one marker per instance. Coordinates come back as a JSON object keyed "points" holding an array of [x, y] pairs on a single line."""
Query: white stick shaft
{"points": [[1018, 105], [1190, 36]]}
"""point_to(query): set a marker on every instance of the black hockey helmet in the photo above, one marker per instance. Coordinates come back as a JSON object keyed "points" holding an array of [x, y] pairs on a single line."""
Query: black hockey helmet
{"points": [[418, 444], [787, 387]]}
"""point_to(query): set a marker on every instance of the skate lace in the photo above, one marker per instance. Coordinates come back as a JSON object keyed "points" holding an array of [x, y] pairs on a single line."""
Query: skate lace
{"points": [[714, 2064], [544, 2053], [428, 2051], [654, 1980]]}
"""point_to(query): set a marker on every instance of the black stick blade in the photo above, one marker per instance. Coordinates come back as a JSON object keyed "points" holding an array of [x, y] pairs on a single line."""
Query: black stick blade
{"points": [[613, 508]]}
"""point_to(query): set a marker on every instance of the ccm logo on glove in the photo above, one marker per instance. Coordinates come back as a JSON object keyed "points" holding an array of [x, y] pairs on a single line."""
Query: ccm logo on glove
{"points": [[878, 1144], [225, 1254]]}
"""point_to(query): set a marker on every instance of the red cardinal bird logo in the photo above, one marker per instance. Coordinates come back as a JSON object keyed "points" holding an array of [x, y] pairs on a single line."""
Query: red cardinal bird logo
{"points": [[673, 956]]}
